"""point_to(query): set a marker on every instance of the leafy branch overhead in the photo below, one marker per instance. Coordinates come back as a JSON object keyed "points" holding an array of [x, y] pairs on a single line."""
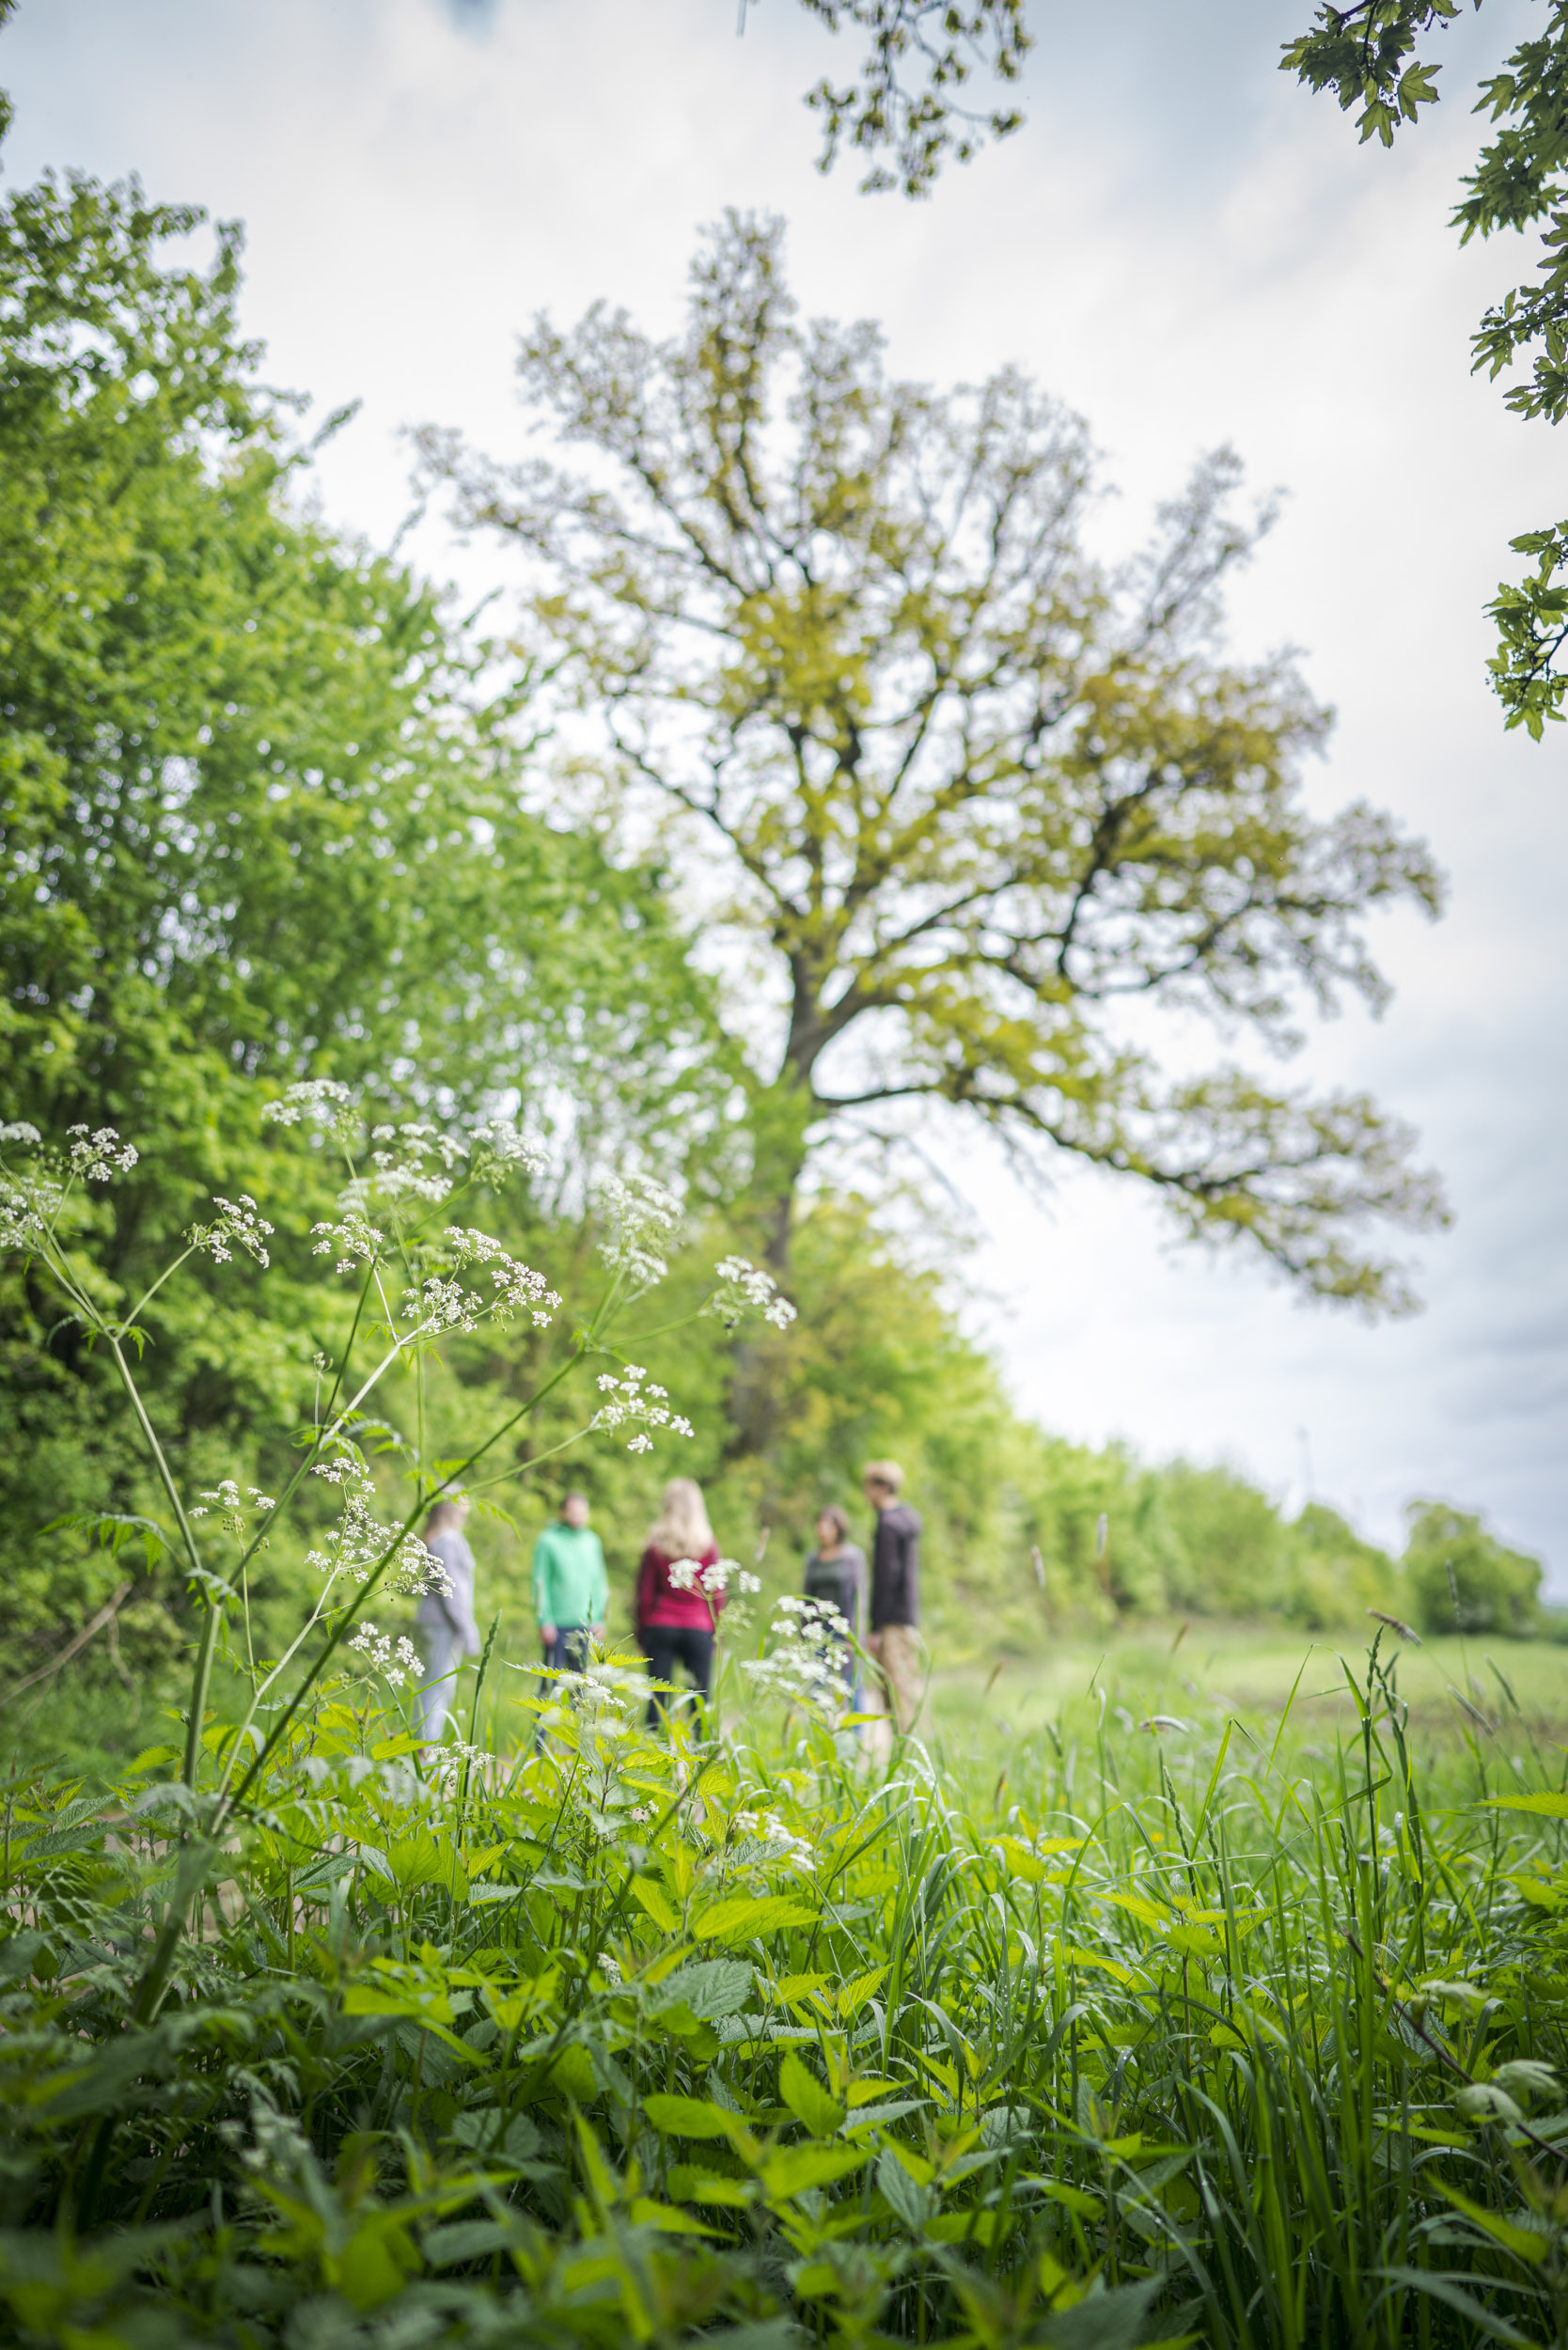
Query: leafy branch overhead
{"points": [[988, 803], [1367, 54], [905, 98]]}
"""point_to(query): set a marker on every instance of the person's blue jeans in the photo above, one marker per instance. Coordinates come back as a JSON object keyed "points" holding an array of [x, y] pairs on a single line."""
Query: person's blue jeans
{"points": [[568, 1653]]}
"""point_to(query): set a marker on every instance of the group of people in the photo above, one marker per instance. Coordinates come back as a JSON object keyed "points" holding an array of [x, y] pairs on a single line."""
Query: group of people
{"points": [[675, 1610]]}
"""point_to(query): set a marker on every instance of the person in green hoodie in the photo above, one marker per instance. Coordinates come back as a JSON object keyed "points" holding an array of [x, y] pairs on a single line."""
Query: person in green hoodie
{"points": [[572, 1590]]}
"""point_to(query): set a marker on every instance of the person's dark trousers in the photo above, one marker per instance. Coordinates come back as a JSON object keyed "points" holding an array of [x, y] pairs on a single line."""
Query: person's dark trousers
{"points": [[667, 1645], [568, 1653]]}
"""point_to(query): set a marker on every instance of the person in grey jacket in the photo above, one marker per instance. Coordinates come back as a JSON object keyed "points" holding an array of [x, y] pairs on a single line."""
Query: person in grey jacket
{"points": [[445, 1618], [836, 1577]]}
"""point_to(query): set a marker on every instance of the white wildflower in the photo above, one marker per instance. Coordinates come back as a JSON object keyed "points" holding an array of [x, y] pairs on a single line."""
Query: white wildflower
{"points": [[632, 1400], [97, 1156], [746, 1289], [359, 1543], [239, 1224], [27, 1212], [354, 1241], [19, 1130], [690, 1574], [503, 1145], [518, 1288], [321, 1098], [226, 1499], [642, 1217], [397, 1661]]}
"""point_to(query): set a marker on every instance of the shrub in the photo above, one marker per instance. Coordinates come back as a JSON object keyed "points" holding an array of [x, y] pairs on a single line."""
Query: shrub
{"points": [[1463, 1580]]}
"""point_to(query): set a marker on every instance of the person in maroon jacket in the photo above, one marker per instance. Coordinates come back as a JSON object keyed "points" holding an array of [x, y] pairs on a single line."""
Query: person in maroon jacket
{"points": [[677, 1615]]}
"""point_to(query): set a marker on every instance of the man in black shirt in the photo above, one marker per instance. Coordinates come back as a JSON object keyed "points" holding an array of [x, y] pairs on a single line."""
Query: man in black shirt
{"points": [[893, 1640]]}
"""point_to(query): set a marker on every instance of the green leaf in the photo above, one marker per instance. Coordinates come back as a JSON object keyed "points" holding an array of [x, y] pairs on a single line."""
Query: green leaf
{"points": [[687, 2117], [790, 2171], [806, 2099], [1525, 2244], [746, 1916], [655, 1902]]}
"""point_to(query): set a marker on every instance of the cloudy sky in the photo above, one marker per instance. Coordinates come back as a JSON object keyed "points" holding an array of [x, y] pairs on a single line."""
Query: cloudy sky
{"points": [[1188, 249]]}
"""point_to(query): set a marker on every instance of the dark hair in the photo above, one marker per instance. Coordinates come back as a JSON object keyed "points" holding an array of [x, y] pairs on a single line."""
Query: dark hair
{"points": [[840, 1518]]}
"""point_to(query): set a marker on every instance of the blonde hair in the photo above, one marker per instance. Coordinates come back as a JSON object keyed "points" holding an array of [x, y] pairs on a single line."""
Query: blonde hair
{"points": [[885, 1473], [682, 1530]]}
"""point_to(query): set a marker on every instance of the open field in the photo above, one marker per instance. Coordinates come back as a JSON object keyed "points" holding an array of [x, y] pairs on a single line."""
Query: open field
{"points": [[1200, 1671]]}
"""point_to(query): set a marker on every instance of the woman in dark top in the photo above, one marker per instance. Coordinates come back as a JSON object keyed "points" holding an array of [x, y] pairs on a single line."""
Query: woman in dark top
{"points": [[836, 1574]]}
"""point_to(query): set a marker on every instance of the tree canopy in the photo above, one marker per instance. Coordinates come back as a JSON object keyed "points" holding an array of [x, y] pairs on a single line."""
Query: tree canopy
{"points": [[261, 819], [990, 803], [1367, 54]]}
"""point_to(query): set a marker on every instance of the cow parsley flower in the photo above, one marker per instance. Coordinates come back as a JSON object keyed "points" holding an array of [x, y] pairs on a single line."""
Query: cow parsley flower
{"points": [[97, 1156], [239, 1224], [690, 1574], [397, 1661], [497, 1146], [642, 1217], [319, 1098], [634, 1401], [28, 1208], [519, 1290], [746, 1289], [231, 1505], [359, 1243]]}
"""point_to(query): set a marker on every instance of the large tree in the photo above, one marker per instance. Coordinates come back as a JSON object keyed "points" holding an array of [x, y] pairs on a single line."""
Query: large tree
{"points": [[990, 803]]}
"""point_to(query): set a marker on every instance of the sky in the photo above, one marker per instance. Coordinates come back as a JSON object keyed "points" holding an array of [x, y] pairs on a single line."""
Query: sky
{"points": [[1190, 250]]}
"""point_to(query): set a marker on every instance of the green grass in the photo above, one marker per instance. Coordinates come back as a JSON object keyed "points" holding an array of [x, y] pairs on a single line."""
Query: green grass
{"points": [[1070, 2031], [1192, 1669]]}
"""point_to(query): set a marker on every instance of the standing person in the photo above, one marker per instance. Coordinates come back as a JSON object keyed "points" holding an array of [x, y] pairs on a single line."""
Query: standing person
{"points": [[445, 1618], [895, 1591], [676, 1622], [572, 1590], [836, 1574]]}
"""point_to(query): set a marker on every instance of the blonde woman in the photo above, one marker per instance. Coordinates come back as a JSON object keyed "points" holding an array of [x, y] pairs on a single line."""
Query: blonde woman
{"points": [[676, 1620]]}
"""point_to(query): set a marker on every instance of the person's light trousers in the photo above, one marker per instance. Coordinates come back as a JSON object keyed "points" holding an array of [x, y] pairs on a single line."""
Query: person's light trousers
{"points": [[442, 1655]]}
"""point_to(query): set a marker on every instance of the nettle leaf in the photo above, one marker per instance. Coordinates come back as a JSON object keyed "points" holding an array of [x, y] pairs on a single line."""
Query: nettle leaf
{"points": [[711, 1988], [687, 2117], [806, 2099], [792, 2170], [907, 2200], [743, 1916]]}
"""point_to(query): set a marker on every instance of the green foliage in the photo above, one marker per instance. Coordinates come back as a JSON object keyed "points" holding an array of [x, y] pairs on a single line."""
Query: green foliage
{"points": [[968, 789], [1366, 54], [622, 2038], [1463, 1580], [922, 126], [261, 817]]}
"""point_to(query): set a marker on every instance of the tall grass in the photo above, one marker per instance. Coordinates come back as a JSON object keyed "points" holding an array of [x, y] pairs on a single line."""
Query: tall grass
{"points": [[1185, 2037], [1125, 2031]]}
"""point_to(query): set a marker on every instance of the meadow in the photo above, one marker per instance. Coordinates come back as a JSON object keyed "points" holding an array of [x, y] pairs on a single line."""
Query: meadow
{"points": [[1197, 1984], [1242, 2028]]}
